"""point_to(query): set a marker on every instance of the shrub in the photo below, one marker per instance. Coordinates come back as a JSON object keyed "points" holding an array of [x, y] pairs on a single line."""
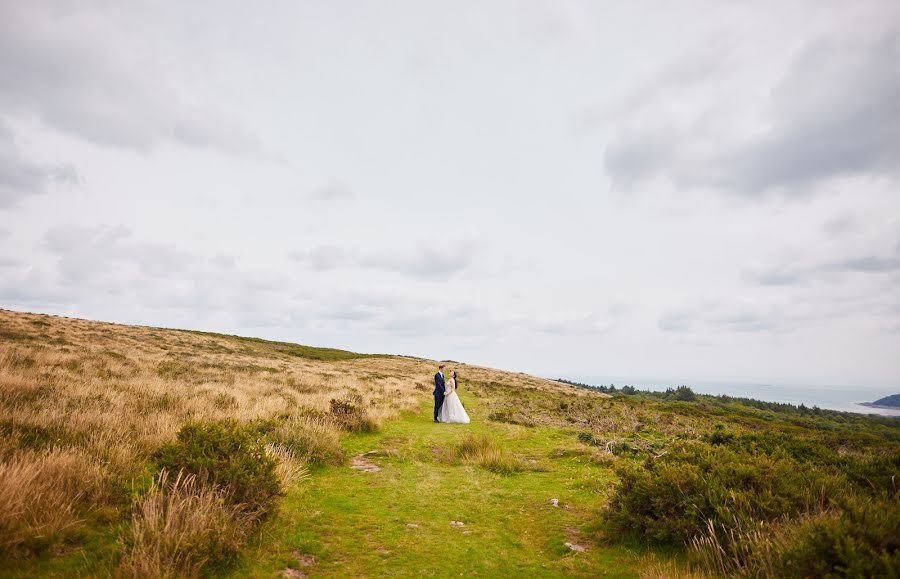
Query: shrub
{"points": [[861, 538], [226, 455], [682, 393], [719, 436], [631, 447], [179, 527], [350, 416], [672, 498], [879, 473], [588, 438], [862, 541]]}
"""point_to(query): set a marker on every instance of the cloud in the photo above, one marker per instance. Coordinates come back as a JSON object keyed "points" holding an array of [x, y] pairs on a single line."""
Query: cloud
{"points": [[694, 69], [742, 316], [840, 225], [97, 255], [832, 114], [574, 323], [21, 176], [81, 74], [323, 257], [423, 261], [222, 261], [797, 273], [866, 264], [109, 270], [334, 191]]}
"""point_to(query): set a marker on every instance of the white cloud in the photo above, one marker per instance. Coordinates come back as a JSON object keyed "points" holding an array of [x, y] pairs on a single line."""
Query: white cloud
{"points": [[419, 261], [21, 176], [333, 191], [434, 199], [832, 114], [79, 71]]}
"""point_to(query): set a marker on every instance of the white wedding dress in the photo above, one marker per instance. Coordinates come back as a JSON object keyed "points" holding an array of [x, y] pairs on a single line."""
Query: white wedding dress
{"points": [[452, 409]]}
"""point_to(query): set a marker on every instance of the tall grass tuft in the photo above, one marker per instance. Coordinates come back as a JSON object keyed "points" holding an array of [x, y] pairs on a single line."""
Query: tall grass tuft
{"points": [[42, 496], [310, 439], [483, 451], [180, 527], [743, 548], [288, 469]]}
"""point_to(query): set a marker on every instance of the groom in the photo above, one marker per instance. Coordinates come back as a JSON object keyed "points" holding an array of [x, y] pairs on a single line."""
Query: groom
{"points": [[438, 391]]}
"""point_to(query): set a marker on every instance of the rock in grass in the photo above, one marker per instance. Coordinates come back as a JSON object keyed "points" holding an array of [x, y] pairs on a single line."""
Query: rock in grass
{"points": [[457, 523], [554, 502], [575, 547]]}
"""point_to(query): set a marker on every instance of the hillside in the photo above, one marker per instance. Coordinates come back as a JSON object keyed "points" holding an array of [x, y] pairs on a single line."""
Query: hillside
{"points": [[892, 401], [299, 461]]}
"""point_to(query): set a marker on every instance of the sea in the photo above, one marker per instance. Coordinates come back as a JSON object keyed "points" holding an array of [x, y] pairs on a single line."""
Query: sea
{"points": [[843, 398]]}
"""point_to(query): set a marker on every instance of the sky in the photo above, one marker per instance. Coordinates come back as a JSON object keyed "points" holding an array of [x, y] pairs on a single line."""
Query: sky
{"points": [[686, 191]]}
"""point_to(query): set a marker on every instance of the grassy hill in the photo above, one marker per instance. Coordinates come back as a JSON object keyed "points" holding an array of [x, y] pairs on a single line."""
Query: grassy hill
{"points": [[134, 451]]}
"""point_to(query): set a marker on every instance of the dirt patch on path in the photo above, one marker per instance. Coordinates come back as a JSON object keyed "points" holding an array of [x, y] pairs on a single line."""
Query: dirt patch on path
{"points": [[359, 462]]}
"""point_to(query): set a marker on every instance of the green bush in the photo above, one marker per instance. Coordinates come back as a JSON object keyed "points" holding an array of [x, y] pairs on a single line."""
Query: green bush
{"points": [[671, 499], [720, 435], [682, 393], [862, 541], [588, 438], [227, 455], [877, 472]]}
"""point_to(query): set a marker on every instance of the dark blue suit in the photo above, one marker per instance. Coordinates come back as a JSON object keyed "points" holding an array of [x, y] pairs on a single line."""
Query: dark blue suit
{"points": [[438, 393]]}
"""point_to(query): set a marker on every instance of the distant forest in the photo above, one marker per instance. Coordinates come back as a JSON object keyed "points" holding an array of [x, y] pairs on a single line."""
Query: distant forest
{"points": [[685, 394]]}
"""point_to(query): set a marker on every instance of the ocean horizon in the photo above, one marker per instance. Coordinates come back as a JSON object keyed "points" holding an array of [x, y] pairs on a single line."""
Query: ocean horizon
{"points": [[830, 397]]}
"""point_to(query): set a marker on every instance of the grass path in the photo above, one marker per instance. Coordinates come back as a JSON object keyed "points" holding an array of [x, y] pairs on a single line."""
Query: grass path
{"points": [[397, 521]]}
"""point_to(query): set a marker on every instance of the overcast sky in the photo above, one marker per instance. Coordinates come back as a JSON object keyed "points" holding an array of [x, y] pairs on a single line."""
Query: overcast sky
{"points": [[679, 190]]}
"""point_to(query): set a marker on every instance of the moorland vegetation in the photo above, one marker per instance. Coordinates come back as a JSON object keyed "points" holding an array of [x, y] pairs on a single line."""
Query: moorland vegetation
{"points": [[146, 452]]}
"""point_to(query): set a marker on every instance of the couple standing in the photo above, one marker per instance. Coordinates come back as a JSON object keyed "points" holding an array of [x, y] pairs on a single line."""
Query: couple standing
{"points": [[447, 407]]}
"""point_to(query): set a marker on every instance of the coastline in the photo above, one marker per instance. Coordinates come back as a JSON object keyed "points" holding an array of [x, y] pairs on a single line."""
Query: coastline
{"points": [[881, 406], [841, 398]]}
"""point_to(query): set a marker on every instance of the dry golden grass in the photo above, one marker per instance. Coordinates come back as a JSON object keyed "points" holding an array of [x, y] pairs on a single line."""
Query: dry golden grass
{"points": [[290, 469], [84, 404], [657, 569], [310, 439], [748, 548], [178, 527], [42, 495]]}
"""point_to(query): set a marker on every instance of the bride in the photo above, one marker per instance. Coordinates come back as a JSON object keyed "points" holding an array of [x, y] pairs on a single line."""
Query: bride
{"points": [[452, 410]]}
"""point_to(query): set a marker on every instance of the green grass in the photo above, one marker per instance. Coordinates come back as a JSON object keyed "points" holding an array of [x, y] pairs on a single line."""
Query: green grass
{"points": [[94, 555], [356, 523]]}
